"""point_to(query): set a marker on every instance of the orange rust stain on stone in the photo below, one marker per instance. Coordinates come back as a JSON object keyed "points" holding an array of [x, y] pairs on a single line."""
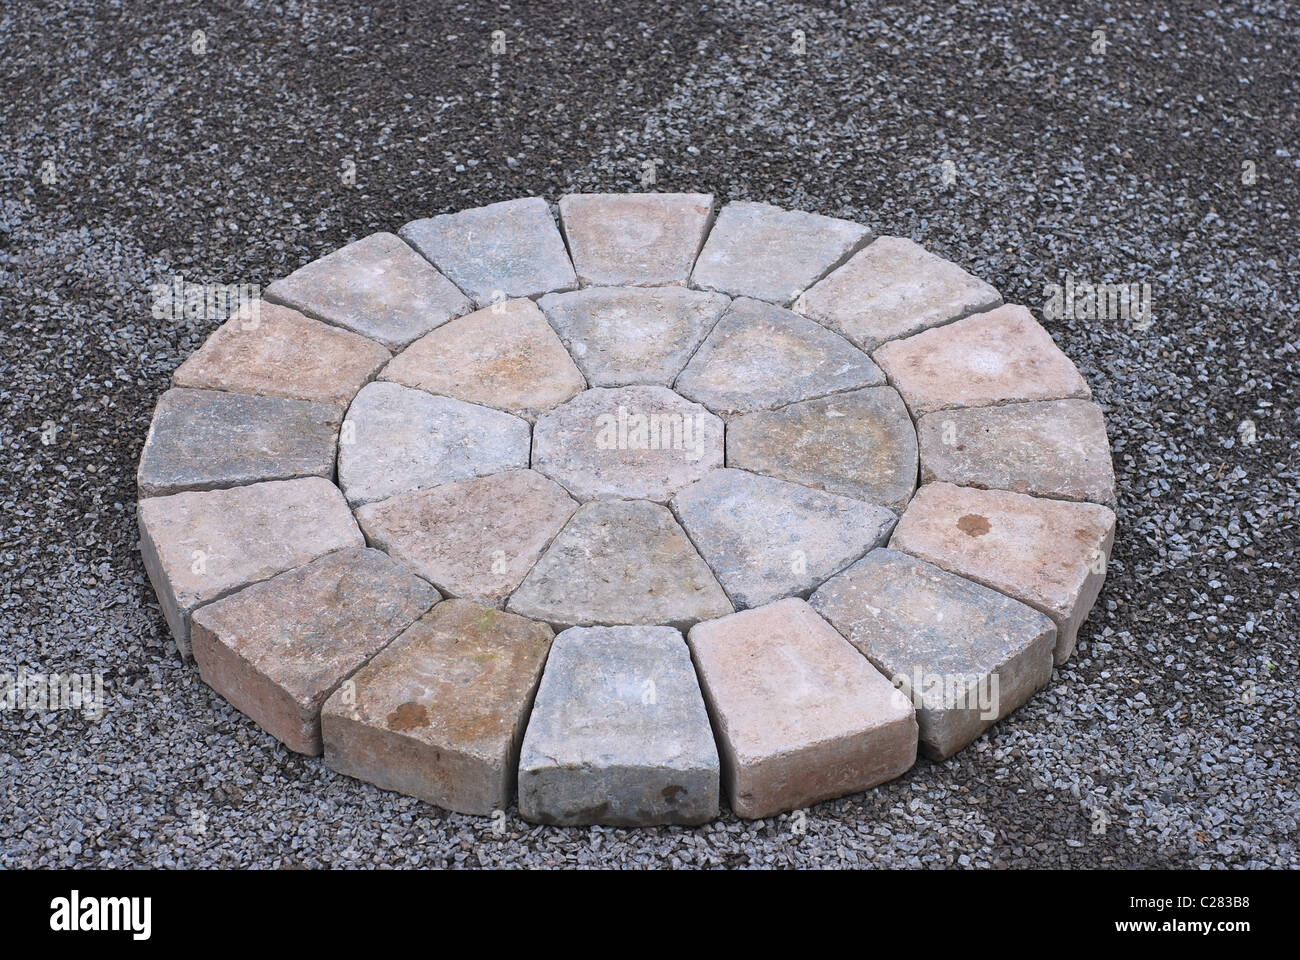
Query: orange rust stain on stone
{"points": [[973, 525], [408, 716]]}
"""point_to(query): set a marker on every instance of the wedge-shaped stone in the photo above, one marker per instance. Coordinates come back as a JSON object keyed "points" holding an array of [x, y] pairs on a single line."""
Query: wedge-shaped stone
{"points": [[474, 538], [859, 444], [277, 649], [504, 356], [633, 335], [440, 712], [396, 439], [965, 655], [800, 715], [1050, 448], [761, 251], [642, 443], [1050, 554], [503, 250], [200, 546], [620, 562], [995, 357], [760, 356], [619, 734], [378, 287], [766, 539], [894, 288], [271, 350], [639, 238], [203, 439]]}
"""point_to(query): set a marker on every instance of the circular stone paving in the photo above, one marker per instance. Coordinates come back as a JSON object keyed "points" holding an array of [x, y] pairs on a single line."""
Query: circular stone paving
{"points": [[622, 510]]}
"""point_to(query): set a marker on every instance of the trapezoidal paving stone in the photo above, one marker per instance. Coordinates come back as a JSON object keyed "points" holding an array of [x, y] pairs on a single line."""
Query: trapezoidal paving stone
{"points": [[371, 500]]}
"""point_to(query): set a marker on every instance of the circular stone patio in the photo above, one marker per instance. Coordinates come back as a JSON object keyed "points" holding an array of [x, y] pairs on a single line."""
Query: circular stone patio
{"points": [[624, 510]]}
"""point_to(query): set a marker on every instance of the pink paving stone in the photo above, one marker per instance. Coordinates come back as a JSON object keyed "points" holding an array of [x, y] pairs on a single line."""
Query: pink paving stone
{"points": [[277, 649], [996, 357], [634, 239], [201, 545], [273, 351], [800, 715], [504, 356], [1050, 554]]}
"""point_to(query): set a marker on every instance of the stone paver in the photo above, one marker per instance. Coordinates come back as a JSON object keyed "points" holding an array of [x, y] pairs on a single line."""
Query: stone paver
{"points": [[996, 357], [201, 545], [1050, 554], [965, 655], [800, 715], [271, 350], [635, 239], [633, 335], [202, 439], [504, 356], [761, 251], [396, 439], [859, 444], [894, 288], [503, 250], [619, 734], [474, 538], [766, 539], [632, 442], [760, 356], [620, 562], [277, 649], [1049, 448], [378, 287], [440, 712]]}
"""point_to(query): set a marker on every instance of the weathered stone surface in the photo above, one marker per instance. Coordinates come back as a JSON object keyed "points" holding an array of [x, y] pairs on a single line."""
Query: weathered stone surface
{"points": [[760, 356], [504, 356], [965, 655], [396, 439], [766, 539], [995, 357], [440, 712], [503, 250], [203, 439], [620, 562], [761, 251], [277, 649], [1050, 448], [201, 545], [633, 335], [859, 444], [641, 443], [378, 287], [801, 716], [894, 288], [271, 350], [474, 538], [1050, 554], [619, 734], [639, 238]]}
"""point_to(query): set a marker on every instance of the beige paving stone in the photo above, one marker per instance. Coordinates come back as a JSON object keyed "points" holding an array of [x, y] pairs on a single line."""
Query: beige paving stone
{"points": [[638, 238]]}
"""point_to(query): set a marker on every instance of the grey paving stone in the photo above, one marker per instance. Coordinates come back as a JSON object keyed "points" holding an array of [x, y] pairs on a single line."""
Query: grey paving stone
{"points": [[633, 335], [619, 734], [503, 250], [203, 439], [639, 238], [759, 356], [859, 444], [378, 287], [965, 655], [620, 562], [395, 438], [761, 251]]}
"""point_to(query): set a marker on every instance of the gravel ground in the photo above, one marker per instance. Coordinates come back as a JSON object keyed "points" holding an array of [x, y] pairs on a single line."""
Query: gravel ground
{"points": [[1170, 739]]}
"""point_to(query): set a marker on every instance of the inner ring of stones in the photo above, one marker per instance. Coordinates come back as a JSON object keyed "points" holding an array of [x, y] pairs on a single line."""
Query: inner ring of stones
{"points": [[620, 513]]}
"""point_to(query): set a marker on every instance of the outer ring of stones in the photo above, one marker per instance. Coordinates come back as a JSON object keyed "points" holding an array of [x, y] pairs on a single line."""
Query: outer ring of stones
{"points": [[615, 507]]}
